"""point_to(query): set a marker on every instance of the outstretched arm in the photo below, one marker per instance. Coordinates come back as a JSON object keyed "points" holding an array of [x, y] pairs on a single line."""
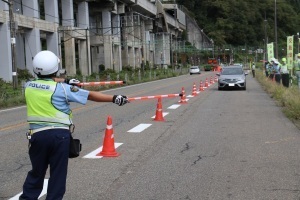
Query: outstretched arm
{"points": [[100, 97]]}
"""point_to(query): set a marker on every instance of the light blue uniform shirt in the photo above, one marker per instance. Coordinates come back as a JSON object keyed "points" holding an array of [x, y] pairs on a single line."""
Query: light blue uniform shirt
{"points": [[276, 69], [73, 94]]}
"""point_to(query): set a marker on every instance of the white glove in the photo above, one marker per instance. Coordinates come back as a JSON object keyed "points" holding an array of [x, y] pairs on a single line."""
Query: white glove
{"points": [[72, 81], [120, 100]]}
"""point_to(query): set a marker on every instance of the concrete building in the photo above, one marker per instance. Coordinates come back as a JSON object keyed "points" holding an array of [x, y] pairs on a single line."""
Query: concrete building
{"points": [[94, 34]]}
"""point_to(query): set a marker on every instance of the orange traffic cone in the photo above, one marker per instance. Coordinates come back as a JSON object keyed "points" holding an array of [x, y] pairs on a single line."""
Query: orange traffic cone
{"points": [[216, 79], [159, 114], [211, 80], [206, 83], [194, 92], [183, 99], [201, 87], [108, 149]]}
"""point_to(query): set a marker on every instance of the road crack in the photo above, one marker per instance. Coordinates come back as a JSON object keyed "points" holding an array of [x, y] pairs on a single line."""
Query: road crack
{"points": [[200, 157], [195, 162], [186, 148]]}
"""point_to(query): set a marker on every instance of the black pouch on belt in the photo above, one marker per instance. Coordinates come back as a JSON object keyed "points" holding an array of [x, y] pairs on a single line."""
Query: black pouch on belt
{"points": [[75, 147]]}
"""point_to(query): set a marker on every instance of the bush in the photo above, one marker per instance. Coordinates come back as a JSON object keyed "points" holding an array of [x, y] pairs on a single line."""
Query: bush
{"points": [[101, 68], [109, 71], [127, 68], [2, 83], [288, 98], [24, 74]]}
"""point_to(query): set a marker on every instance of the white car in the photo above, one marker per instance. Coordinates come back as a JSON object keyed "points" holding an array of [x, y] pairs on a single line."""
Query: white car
{"points": [[194, 70]]}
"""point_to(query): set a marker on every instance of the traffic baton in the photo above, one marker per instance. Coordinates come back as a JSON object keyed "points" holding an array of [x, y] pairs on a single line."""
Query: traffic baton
{"points": [[154, 97], [101, 83]]}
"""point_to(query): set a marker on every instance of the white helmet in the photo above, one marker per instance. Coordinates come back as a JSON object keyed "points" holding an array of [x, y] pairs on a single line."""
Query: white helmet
{"points": [[45, 63]]}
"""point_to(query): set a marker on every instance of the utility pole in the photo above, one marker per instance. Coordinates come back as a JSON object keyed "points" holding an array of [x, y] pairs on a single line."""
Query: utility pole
{"points": [[113, 52], [298, 41], [142, 54], [12, 25], [175, 16], [87, 50], [266, 39], [171, 49], [276, 41]]}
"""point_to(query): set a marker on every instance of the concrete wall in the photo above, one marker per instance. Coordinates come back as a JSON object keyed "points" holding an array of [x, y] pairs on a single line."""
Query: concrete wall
{"points": [[126, 35], [5, 53]]}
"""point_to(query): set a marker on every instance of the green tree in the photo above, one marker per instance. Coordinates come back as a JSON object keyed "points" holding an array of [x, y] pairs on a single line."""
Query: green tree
{"points": [[239, 22]]}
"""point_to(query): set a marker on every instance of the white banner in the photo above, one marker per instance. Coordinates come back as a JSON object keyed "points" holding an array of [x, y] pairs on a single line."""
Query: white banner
{"points": [[270, 47], [290, 52]]}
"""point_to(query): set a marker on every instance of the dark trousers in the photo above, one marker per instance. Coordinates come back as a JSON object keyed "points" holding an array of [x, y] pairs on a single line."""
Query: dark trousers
{"points": [[285, 79], [277, 78], [49, 147], [253, 73]]}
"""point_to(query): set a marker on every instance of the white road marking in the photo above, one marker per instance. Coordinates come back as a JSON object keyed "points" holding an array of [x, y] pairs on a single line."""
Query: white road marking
{"points": [[164, 114], [94, 153], [185, 100], [139, 128], [44, 191], [175, 106], [190, 96], [12, 109]]}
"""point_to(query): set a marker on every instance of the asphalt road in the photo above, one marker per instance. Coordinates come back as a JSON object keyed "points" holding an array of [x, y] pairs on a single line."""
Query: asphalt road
{"points": [[220, 145]]}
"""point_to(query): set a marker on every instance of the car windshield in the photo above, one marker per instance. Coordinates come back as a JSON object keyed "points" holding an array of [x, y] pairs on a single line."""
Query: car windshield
{"points": [[237, 64], [232, 71], [194, 67]]}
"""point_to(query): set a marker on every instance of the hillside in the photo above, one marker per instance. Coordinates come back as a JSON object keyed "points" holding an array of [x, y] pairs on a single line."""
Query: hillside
{"points": [[243, 22]]}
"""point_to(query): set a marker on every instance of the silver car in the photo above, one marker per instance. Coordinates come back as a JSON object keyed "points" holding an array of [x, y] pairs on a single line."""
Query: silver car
{"points": [[238, 64], [232, 77]]}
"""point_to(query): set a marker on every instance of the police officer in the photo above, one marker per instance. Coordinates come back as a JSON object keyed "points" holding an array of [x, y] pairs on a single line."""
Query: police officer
{"points": [[271, 68], [267, 63], [276, 71], [284, 73], [297, 68], [50, 118]]}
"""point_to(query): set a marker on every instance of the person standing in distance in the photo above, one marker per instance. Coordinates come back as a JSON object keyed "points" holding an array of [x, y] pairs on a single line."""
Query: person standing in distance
{"points": [[285, 78], [276, 71], [253, 69], [50, 122], [272, 68], [267, 68]]}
